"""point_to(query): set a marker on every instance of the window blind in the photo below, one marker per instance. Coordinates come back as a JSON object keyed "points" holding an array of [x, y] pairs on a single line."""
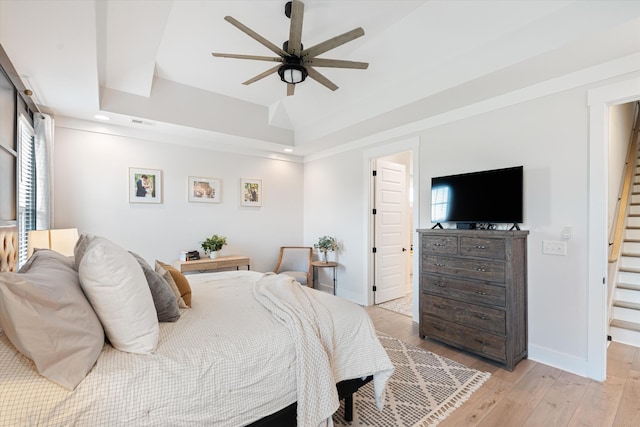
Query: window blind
{"points": [[26, 187]]}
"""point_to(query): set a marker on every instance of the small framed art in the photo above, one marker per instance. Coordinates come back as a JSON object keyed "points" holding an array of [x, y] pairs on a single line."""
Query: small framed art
{"points": [[250, 192], [145, 185], [205, 190]]}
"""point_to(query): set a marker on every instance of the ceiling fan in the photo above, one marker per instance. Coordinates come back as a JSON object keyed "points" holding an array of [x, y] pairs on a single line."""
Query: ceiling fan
{"points": [[297, 63]]}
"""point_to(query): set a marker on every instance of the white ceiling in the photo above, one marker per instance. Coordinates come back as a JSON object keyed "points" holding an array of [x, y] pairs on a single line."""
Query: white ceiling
{"points": [[151, 61]]}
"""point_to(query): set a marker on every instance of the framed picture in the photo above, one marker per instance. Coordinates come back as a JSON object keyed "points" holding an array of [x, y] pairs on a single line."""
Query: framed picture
{"points": [[145, 185], [250, 192], [205, 190]]}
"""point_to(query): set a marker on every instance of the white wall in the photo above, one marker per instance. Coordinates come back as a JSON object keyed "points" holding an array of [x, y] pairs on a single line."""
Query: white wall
{"points": [[90, 188], [549, 137]]}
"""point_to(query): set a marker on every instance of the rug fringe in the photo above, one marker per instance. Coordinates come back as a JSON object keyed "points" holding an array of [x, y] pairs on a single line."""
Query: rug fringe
{"points": [[444, 410]]}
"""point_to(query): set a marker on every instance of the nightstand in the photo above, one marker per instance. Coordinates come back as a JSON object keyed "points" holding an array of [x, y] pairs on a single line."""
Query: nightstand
{"points": [[322, 264], [208, 264]]}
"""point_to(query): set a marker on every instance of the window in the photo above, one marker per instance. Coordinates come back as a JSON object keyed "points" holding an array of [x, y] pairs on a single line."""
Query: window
{"points": [[26, 187], [439, 203]]}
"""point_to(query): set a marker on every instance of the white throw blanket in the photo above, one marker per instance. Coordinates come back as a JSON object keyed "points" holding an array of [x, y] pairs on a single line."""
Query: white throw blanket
{"points": [[311, 328]]}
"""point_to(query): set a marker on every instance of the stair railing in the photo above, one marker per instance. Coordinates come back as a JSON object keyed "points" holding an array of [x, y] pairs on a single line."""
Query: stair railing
{"points": [[625, 192]]}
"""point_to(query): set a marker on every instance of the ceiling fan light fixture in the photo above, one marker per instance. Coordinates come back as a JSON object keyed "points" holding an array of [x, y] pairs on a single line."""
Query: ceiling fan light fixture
{"points": [[292, 73]]}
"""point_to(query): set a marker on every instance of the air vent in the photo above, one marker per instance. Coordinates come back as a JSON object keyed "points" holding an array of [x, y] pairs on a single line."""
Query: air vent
{"points": [[142, 122]]}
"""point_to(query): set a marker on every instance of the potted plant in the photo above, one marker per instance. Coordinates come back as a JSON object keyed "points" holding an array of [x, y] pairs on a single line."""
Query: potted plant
{"points": [[326, 244], [212, 245]]}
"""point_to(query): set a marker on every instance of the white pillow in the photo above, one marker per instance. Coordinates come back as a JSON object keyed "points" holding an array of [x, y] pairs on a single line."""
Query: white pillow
{"points": [[115, 285]]}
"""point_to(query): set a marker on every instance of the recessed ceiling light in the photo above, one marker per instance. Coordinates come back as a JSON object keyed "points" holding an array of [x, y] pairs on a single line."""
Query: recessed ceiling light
{"points": [[101, 117], [288, 150]]}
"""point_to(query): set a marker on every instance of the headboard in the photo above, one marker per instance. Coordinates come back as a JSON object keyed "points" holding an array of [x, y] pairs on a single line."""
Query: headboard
{"points": [[8, 248]]}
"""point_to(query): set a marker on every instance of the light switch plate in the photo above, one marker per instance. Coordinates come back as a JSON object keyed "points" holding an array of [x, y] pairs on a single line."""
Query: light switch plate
{"points": [[551, 247]]}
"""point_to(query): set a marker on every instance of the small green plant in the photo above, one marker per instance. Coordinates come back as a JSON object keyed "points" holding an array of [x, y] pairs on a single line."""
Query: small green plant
{"points": [[326, 244], [213, 243]]}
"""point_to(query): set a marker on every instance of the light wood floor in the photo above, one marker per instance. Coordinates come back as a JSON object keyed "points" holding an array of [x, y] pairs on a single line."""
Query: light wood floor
{"points": [[535, 394]]}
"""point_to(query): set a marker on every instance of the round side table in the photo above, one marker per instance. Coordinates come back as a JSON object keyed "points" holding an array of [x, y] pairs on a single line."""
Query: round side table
{"points": [[322, 264]]}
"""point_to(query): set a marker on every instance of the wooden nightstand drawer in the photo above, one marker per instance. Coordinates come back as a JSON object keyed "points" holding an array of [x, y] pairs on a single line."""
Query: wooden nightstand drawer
{"points": [[482, 247], [474, 316], [492, 271], [440, 245], [464, 290]]}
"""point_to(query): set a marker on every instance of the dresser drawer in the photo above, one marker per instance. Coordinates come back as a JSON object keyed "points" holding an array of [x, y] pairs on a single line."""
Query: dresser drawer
{"points": [[488, 270], [464, 290], [482, 343], [440, 244], [475, 316], [482, 247]]}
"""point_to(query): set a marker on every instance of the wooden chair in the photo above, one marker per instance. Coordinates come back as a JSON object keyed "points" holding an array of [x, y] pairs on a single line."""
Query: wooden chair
{"points": [[295, 261]]}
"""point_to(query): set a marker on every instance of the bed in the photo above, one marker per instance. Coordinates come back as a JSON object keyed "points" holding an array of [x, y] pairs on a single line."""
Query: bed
{"points": [[252, 349]]}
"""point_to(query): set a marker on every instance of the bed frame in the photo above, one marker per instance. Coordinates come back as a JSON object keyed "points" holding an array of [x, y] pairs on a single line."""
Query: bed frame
{"points": [[287, 417]]}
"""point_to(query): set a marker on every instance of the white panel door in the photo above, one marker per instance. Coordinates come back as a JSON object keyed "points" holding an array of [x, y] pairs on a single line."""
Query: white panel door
{"points": [[390, 229]]}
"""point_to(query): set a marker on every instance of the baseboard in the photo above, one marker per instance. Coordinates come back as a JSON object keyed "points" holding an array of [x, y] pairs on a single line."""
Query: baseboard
{"points": [[563, 361]]}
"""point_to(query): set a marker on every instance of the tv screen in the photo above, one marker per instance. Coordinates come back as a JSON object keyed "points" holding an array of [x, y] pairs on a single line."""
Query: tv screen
{"points": [[491, 196]]}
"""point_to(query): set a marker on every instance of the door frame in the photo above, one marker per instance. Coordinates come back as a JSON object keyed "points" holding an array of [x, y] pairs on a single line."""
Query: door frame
{"points": [[598, 102], [411, 144]]}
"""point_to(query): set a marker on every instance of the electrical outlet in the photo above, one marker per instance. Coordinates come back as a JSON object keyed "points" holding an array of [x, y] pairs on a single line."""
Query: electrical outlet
{"points": [[551, 247]]}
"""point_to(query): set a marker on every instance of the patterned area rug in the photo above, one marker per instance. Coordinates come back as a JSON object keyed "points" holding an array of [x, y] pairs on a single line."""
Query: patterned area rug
{"points": [[424, 389], [402, 305]]}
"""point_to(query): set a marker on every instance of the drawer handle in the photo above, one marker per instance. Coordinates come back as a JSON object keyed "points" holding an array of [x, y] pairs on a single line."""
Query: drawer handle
{"points": [[481, 247], [441, 285], [481, 293], [438, 264], [438, 244], [438, 328], [481, 317], [441, 307], [480, 269], [480, 341]]}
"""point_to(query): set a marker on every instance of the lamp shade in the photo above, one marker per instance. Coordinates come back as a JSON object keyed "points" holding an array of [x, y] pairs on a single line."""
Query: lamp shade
{"points": [[292, 73], [61, 240]]}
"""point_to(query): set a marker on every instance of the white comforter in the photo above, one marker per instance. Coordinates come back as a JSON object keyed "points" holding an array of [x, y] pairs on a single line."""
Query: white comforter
{"points": [[227, 362]]}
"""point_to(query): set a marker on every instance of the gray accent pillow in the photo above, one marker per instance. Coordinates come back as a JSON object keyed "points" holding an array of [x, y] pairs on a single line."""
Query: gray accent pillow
{"points": [[163, 298], [81, 247], [47, 317]]}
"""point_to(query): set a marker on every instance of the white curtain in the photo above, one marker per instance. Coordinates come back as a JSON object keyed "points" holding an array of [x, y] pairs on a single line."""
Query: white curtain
{"points": [[43, 143]]}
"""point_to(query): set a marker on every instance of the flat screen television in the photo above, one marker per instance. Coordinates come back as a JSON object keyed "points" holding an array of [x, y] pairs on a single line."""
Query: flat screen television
{"points": [[486, 197]]}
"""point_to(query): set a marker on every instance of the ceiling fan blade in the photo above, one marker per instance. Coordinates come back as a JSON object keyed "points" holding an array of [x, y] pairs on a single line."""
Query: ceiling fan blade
{"points": [[332, 43], [262, 75], [295, 29], [315, 75], [254, 57], [255, 36], [290, 89], [336, 63]]}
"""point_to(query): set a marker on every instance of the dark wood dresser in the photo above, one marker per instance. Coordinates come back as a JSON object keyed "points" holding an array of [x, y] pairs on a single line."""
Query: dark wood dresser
{"points": [[473, 291]]}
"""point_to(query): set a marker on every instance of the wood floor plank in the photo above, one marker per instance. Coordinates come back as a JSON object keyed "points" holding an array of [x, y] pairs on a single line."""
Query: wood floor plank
{"points": [[534, 394], [559, 404], [627, 413]]}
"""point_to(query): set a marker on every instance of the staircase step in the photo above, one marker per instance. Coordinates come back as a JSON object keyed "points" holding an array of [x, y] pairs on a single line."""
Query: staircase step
{"points": [[628, 278], [625, 332], [628, 286], [629, 261], [627, 293], [626, 311], [629, 270], [630, 246], [626, 304], [632, 326], [632, 233]]}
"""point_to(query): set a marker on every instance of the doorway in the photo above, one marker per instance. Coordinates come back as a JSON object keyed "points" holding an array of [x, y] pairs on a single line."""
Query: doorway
{"points": [[599, 101], [392, 234]]}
